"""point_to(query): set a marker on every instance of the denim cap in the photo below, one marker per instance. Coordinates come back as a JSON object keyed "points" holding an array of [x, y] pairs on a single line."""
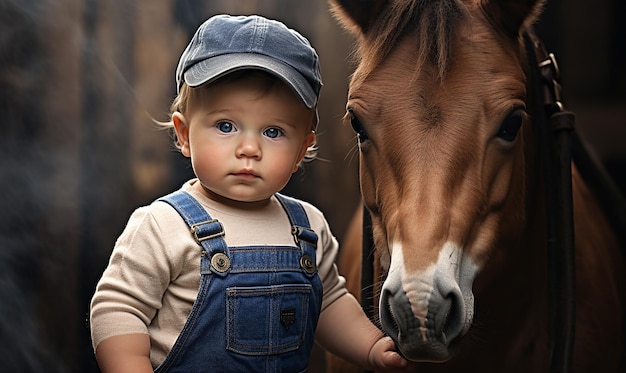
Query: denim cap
{"points": [[224, 44]]}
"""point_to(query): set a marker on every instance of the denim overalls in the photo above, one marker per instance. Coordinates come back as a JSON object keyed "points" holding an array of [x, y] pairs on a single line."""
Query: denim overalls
{"points": [[257, 306]]}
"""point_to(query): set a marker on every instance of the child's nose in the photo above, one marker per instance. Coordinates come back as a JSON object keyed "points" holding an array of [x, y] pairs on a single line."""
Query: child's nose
{"points": [[249, 147]]}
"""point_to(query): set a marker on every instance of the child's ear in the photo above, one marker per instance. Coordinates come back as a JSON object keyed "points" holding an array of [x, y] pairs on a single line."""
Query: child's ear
{"points": [[182, 133], [308, 141]]}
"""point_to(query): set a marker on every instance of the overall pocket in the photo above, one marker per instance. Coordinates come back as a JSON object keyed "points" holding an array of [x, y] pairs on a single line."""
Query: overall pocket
{"points": [[266, 320]]}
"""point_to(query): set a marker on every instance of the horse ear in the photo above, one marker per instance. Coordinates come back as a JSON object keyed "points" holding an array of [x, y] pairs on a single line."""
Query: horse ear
{"points": [[357, 16], [512, 16]]}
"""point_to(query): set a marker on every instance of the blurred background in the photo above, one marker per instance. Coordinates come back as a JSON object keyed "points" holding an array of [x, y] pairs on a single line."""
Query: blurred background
{"points": [[81, 81]]}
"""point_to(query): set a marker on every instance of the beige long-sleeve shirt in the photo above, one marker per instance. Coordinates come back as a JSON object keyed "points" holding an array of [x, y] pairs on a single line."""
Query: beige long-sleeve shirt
{"points": [[153, 275]]}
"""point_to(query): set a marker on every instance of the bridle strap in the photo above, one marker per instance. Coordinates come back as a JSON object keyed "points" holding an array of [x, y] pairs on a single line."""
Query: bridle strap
{"points": [[367, 265], [556, 129]]}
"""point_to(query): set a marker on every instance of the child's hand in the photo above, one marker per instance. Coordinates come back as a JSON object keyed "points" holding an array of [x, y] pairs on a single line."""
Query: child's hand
{"points": [[384, 358]]}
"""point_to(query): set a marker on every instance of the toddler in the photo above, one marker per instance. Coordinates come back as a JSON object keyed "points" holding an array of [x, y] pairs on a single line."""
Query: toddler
{"points": [[226, 274]]}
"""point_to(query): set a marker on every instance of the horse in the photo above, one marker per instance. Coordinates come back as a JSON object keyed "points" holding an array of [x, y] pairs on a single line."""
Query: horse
{"points": [[445, 106]]}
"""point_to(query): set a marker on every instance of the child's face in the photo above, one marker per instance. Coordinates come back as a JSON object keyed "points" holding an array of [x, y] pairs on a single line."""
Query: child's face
{"points": [[245, 141]]}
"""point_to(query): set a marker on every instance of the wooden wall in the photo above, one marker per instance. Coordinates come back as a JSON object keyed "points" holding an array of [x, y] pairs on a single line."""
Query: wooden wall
{"points": [[81, 81]]}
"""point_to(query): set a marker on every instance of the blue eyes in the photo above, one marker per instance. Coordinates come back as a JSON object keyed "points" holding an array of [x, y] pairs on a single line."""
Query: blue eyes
{"points": [[225, 127], [271, 132]]}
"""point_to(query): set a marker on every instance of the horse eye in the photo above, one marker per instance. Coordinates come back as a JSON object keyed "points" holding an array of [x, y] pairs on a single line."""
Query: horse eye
{"points": [[511, 125], [357, 126]]}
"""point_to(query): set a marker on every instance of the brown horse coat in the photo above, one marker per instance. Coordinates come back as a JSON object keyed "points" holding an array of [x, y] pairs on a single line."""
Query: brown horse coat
{"points": [[452, 175]]}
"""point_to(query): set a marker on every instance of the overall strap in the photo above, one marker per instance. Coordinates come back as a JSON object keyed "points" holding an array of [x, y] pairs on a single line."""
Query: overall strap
{"points": [[301, 230], [206, 231]]}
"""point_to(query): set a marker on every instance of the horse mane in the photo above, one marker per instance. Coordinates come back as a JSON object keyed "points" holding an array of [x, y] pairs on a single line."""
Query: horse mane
{"points": [[436, 22]]}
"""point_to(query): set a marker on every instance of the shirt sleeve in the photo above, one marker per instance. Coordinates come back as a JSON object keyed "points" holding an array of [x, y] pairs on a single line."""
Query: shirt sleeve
{"points": [[327, 250], [130, 290]]}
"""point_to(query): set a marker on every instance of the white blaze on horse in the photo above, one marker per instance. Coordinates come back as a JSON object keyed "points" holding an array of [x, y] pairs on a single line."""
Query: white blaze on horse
{"points": [[453, 176]]}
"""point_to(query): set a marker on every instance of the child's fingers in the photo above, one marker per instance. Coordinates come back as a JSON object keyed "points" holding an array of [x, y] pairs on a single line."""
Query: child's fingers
{"points": [[386, 359], [393, 359], [388, 343]]}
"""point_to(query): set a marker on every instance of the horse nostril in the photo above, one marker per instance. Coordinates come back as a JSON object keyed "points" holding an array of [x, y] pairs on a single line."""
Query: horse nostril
{"points": [[386, 316], [452, 320], [450, 316]]}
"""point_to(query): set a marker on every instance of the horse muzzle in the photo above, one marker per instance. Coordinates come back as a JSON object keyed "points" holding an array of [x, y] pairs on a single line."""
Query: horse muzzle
{"points": [[428, 311]]}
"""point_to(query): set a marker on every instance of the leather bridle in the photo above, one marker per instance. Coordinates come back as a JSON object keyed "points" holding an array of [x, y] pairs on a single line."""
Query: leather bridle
{"points": [[555, 128]]}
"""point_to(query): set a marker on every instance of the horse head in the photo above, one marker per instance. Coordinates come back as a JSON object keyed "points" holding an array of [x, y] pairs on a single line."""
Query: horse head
{"points": [[439, 103]]}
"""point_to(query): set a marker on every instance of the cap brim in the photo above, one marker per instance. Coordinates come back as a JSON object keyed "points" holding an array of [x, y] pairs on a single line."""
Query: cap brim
{"points": [[213, 68]]}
